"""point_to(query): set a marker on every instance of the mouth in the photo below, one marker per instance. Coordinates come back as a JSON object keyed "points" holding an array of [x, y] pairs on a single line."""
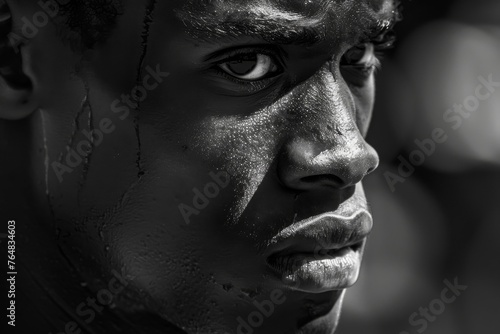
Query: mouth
{"points": [[322, 253]]}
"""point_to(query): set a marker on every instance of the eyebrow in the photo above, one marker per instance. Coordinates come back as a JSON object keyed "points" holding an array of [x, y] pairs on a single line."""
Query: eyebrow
{"points": [[281, 27], [273, 31]]}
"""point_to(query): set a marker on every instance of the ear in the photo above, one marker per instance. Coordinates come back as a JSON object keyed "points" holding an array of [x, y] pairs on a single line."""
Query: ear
{"points": [[16, 88]]}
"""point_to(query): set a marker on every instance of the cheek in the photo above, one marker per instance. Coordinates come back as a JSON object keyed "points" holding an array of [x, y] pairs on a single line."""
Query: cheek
{"points": [[197, 158], [245, 147]]}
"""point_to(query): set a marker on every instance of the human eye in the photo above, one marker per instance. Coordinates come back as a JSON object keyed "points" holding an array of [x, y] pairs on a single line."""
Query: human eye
{"points": [[250, 66], [246, 70], [360, 62]]}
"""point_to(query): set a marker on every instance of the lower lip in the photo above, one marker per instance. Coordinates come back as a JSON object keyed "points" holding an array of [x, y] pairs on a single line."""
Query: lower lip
{"points": [[318, 273]]}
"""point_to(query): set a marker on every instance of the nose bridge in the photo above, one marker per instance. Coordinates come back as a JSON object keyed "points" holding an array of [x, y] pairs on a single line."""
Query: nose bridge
{"points": [[332, 110], [330, 148]]}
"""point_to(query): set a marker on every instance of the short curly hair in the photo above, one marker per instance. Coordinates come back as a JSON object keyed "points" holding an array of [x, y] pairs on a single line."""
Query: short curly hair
{"points": [[87, 22]]}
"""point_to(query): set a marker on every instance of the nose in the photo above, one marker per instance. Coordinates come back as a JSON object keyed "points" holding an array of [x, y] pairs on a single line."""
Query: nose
{"points": [[307, 165], [330, 151]]}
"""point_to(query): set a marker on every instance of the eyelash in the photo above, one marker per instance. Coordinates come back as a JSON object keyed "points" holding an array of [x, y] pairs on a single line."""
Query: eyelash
{"points": [[381, 41], [249, 87], [236, 54]]}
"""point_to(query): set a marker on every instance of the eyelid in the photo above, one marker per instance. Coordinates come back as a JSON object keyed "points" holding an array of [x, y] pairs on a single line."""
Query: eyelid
{"points": [[226, 84], [256, 85], [358, 72], [382, 40], [370, 57], [226, 55]]}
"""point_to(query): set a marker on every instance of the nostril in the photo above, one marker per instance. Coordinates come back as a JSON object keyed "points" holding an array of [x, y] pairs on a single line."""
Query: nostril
{"points": [[307, 164], [325, 179]]}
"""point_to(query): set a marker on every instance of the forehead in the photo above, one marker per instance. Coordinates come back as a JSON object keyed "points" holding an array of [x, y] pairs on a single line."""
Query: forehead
{"points": [[297, 7], [236, 17]]}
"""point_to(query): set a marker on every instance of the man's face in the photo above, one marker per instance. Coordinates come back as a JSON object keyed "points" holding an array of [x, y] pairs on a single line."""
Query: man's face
{"points": [[232, 174]]}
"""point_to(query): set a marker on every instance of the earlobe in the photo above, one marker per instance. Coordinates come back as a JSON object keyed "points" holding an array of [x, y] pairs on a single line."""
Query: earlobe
{"points": [[16, 88]]}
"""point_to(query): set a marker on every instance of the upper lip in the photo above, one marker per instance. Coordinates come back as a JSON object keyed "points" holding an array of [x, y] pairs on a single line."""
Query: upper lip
{"points": [[325, 232]]}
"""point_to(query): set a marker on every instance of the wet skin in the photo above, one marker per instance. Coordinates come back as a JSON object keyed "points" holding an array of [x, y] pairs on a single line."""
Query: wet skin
{"points": [[262, 90]]}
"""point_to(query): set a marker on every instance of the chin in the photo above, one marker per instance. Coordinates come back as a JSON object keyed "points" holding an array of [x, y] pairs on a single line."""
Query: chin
{"points": [[326, 324]]}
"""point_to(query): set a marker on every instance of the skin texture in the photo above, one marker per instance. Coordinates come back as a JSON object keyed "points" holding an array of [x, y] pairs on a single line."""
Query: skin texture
{"points": [[293, 145]]}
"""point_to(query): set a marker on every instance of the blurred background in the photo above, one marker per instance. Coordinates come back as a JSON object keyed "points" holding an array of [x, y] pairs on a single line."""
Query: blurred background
{"points": [[436, 204]]}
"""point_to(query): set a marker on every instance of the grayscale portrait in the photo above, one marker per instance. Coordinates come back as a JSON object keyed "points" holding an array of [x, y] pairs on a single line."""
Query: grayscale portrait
{"points": [[198, 166]]}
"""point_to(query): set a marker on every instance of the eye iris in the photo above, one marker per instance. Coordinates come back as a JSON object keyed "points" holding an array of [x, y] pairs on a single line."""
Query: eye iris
{"points": [[243, 66]]}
